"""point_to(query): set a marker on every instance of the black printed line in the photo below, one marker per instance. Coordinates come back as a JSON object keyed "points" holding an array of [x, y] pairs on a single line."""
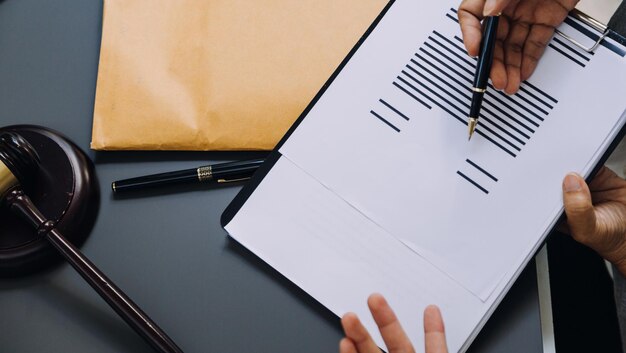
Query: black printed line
{"points": [[452, 114], [566, 55], [394, 109], [488, 129], [479, 132], [412, 95], [472, 182], [384, 121], [434, 101], [523, 89], [428, 89], [442, 63], [456, 107], [506, 114], [461, 58], [563, 44], [515, 111], [506, 123], [462, 94], [489, 94], [464, 122], [462, 50], [537, 89], [447, 57], [457, 90], [452, 18], [520, 105], [482, 170], [530, 103], [459, 48], [453, 9], [454, 79]]}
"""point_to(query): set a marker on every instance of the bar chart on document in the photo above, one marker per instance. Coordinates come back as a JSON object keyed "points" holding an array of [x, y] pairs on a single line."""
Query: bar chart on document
{"points": [[394, 123]]}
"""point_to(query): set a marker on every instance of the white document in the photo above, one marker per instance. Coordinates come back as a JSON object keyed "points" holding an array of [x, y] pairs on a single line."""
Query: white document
{"points": [[378, 189], [414, 182]]}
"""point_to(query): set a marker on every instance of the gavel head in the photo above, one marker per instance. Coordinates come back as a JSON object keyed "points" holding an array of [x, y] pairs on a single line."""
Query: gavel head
{"points": [[18, 161], [60, 180]]}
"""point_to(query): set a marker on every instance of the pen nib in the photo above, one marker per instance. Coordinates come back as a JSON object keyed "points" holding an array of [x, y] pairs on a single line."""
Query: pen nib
{"points": [[471, 126]]}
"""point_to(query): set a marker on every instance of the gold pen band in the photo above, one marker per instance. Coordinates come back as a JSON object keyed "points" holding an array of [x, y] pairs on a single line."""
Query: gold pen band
{"points": [[479, 90], [205, 173]]}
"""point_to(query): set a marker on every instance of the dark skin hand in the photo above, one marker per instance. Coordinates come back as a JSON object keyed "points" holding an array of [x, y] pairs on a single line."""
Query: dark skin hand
{"points": [[596, 217], [596, 214], [525, 29]]}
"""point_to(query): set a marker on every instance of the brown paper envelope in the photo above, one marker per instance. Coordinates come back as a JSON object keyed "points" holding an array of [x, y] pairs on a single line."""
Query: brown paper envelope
{"points": [[216, 74]]}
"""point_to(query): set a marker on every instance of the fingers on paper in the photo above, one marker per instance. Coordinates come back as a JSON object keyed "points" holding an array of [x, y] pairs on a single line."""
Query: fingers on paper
{"points": [[536, 43], [470, 14], [347, 346], [581, 216], [513, 53], [357, 337], [390, 329], [606, 180], [498, 73], [607, 186], [434, 332], [494, 7]]}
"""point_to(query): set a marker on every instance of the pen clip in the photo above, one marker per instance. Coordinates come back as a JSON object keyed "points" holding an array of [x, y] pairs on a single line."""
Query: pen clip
{"points": [[224, 181]]}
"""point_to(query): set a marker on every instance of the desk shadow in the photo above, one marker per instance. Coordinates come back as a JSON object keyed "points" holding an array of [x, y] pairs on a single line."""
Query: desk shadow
{"points": [[107, 157], [28, 280], [36, 277], [103, 323], [302, 296]]}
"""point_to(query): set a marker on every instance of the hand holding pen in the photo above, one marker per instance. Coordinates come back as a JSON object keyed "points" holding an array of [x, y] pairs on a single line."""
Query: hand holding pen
{"points": [[525, 29], [483, 68]]}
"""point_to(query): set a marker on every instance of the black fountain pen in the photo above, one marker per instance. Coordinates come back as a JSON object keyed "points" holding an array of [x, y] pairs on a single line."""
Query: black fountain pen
{"points": [[483, 68], [220, 173]]}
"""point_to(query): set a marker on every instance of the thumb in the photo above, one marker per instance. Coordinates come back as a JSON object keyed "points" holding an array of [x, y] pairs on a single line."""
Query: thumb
{"points": [[581, 216], [494, 7]]}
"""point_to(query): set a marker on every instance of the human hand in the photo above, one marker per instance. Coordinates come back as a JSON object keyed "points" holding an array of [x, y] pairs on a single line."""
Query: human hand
{"points": [[524, 31], [358, 340], [596, 214]]}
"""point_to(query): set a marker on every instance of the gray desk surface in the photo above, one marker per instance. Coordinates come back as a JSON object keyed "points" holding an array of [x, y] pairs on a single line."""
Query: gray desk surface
{"points": [[167, 251]]}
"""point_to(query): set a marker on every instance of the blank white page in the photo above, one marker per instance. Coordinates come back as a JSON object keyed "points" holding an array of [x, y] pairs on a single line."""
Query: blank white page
{"points": [[339, 257]]}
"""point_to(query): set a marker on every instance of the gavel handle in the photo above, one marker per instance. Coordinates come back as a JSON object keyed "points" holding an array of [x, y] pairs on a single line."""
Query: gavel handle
{"points": [[120, 302]]}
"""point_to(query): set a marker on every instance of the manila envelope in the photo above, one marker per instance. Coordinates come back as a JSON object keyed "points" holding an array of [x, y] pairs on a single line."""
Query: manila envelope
{"points": [[216, 74]]}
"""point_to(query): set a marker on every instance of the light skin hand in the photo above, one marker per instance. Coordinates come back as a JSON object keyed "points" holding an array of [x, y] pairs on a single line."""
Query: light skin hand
{"points": [[596, 214], [524, 31], [358, 340]]}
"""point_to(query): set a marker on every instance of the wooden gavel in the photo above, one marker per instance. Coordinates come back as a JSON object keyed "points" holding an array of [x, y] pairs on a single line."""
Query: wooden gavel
{"points": [[19, 163]]}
